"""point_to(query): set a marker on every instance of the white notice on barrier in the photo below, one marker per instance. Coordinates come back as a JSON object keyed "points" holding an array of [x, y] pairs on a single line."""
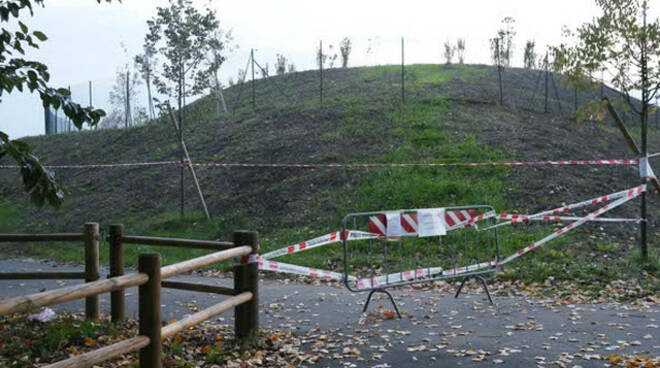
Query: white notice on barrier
{"points": [[431, 222], [645, 170], [393, 224]]}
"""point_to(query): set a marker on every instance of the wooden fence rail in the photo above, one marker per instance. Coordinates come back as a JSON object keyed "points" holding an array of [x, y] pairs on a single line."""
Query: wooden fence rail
{"points": [[90, 238], [149, 279]]}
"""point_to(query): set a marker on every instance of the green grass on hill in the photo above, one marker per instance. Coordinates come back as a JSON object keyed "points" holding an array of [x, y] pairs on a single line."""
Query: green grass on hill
{"points": [[361, 120]]}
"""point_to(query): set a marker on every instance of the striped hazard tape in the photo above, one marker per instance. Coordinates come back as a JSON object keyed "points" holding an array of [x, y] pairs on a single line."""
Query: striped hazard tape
{"points": [[563, 209], [186, 163], [333, 237], [267, 265]]}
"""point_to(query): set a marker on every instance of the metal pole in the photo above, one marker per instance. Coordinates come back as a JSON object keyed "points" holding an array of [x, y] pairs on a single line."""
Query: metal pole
{"points": [[321, 71], [546, 83], [253, 93], [499, 70], [126, 105], [68, 121], [403, 72]]}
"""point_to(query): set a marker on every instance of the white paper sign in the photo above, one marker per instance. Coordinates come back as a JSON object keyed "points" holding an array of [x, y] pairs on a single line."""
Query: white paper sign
{"points": [[645, 170], [393, 224], [431, 222]]}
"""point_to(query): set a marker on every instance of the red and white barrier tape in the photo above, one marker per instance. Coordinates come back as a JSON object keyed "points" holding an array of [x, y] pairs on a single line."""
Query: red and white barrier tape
{"points": [[558, 210], [429, 164], [347, 166], [274, 266], [102, 166], [630, 194], [526, 218], [333, 237]]}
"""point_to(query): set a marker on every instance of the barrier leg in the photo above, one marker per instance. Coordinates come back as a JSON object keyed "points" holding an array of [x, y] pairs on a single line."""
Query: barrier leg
{"points": [[371, 293], [458, 292], [485, 286]]}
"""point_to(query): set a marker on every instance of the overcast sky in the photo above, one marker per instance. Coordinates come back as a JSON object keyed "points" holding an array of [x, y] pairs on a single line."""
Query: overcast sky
{"points": [[85, 37]]}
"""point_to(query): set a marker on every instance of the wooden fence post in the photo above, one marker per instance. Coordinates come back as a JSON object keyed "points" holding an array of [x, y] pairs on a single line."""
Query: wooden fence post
{"points": [[149, 304], [246, 278], [117, 298], [91, 237]]}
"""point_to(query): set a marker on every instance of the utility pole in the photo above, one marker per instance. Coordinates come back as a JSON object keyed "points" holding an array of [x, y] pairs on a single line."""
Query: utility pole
{"points": [[253, 93]]}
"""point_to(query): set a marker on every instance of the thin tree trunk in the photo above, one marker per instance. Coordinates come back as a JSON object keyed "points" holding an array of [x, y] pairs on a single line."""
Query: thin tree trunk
{"points": [[644, 120]]}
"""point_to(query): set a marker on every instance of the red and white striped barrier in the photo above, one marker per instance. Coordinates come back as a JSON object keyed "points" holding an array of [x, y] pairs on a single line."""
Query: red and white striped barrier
{"points": [[409, 223], [421, 273]]}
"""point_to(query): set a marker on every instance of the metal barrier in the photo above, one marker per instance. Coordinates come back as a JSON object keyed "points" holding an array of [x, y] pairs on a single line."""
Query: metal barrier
{"points": [[395, 248], [411, 246]]}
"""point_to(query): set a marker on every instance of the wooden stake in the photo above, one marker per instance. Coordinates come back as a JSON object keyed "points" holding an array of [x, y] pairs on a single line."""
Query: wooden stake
{"points": [[627, 136], [117, 298], [246, 279], [189, 162], [149, 304], [92, 308]]}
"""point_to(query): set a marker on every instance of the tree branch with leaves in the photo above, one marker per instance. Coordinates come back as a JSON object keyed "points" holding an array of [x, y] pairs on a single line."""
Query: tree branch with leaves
{"points": [[20, 75]]}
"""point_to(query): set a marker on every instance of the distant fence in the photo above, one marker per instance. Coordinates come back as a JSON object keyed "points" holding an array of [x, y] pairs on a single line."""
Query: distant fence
{"points": [[150, 280]]}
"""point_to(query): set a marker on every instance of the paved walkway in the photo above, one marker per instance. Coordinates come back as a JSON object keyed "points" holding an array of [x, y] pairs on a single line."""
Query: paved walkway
{"points": [[436, 330]]}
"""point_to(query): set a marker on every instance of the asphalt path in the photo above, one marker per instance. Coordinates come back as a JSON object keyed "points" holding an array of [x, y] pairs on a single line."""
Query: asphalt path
{"points": [[436, 330]]}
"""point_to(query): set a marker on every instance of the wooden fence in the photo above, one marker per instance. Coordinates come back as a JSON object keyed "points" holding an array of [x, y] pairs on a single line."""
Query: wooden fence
{"points": [[150, 279], [90, 238]]}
